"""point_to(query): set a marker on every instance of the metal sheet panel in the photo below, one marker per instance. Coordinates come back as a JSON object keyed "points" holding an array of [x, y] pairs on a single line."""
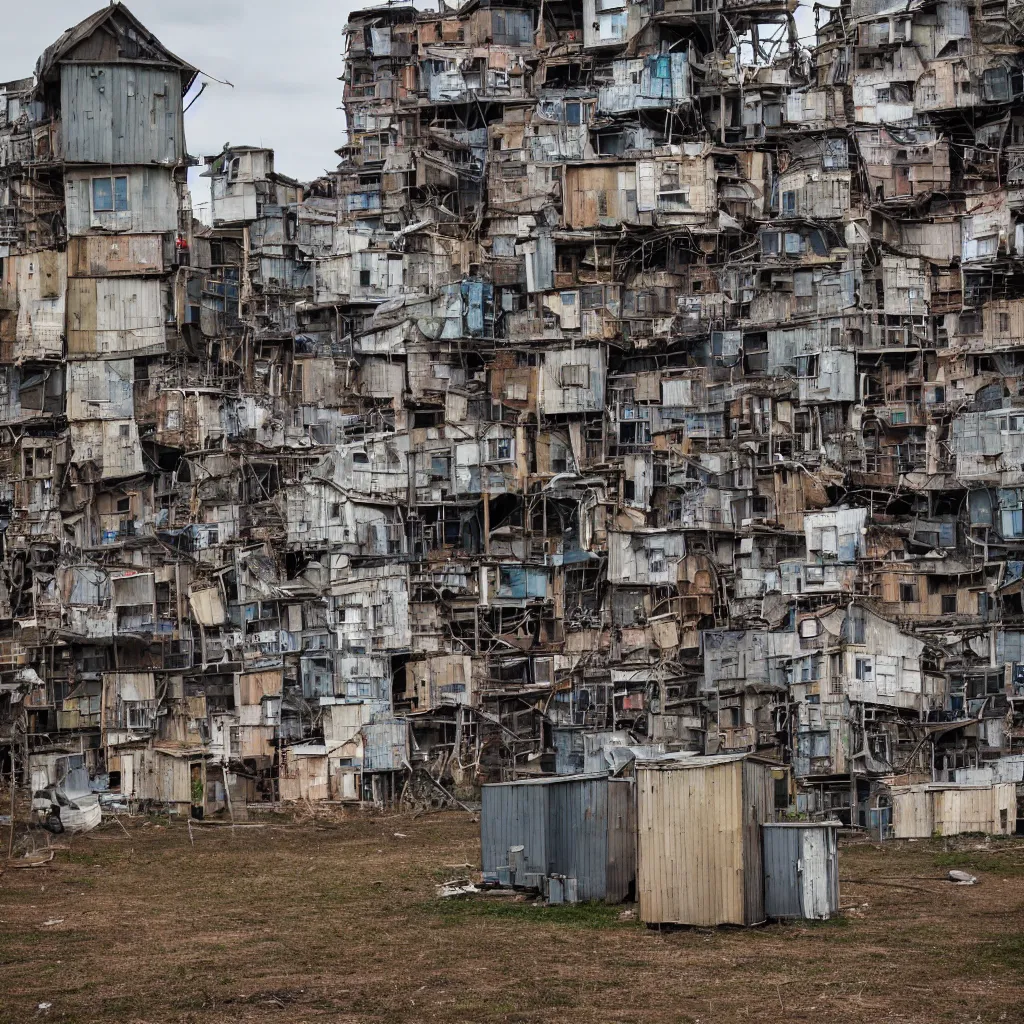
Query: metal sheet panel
{"points": [[801, 870], [101, 390], [514, 814], [115, 315], [569, 755], [385, 744], [38, 283], [578, 834], [106, 256], [152, 201], [582, 827], [781, 872]]}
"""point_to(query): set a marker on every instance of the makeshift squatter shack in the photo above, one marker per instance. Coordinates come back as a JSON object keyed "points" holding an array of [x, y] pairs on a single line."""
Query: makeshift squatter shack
{"points": [[573, 837], [947, 809], [699, 838]]}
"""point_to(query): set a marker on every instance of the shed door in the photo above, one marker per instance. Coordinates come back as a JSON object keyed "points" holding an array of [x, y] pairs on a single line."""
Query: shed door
{"points": [[814, 874], [127, 776]]}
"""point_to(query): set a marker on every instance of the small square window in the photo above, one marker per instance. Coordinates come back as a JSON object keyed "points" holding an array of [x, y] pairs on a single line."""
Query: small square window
{"points": [[364, 278], [499, 449], [110, 195]]}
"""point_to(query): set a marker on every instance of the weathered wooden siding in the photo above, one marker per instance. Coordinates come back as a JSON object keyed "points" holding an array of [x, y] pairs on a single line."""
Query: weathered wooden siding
{"points": [[690, 836], [699, 841], [152, 201], [121, 114], [120, 255], [115, 315], [920, 812]]}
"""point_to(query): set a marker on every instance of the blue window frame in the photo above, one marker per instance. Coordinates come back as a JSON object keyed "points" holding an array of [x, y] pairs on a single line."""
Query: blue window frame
{"points": [[110, 195]]}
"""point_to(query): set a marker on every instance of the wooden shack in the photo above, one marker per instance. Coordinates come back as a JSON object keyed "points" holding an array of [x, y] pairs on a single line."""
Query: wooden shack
{"points": [[699, 838], [949, 808]]}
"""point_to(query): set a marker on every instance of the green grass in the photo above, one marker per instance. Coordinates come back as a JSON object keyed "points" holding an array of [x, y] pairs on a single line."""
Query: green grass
{"points": [[980, 862], [458, 909], [1005, 953]]}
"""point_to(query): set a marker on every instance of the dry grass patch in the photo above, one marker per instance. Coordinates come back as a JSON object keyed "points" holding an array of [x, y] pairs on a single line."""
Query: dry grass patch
{"points": [[338, 921]]}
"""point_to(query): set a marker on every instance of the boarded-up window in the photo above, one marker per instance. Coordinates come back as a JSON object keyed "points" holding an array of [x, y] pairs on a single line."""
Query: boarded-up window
{"points": [[575, 375]]}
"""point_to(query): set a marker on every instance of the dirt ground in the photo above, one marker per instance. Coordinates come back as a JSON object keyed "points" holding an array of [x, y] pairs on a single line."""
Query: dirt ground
{"points": [[337, 920]]}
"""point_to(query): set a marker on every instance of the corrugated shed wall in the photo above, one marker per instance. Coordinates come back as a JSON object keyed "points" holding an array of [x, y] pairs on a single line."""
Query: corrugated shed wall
{"points": [[578, 834], [121, 114], [513, 815], [583, 828], [621, 869]]}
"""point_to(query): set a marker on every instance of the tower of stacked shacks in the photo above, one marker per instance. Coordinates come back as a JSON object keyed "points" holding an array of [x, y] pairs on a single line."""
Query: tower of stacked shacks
{"points": [[646, 375]]}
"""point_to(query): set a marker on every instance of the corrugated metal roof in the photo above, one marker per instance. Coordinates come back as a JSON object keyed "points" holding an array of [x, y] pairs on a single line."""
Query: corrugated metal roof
{"points": [[689, 759], [549, 780]]}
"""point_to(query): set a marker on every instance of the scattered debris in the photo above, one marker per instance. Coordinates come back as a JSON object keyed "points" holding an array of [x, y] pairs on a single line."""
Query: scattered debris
{"points": [[460, 887], [962, 878]]}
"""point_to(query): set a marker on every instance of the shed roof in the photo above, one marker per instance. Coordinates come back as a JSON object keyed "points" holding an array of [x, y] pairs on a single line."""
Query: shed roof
{"points": [[940, 787], [832, 823], [689, 759], [549, 780]]}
